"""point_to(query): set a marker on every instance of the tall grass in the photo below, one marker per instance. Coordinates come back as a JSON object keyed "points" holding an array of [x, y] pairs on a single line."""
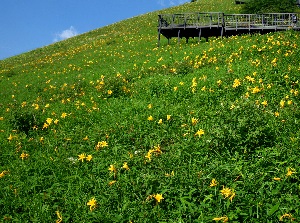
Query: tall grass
{"points": [[106, 127]]}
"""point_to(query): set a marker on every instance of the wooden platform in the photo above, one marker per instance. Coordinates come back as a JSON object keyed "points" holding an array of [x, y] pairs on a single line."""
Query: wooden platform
{"points": [[209, 24]]}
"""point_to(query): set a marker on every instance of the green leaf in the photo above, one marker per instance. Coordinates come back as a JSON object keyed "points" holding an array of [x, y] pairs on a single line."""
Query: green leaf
{"points": [[273, 209]]}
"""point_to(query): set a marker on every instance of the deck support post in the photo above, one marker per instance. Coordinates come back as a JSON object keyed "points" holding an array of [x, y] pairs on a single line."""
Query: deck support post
{"points": [[178, 36], [158, 43], [222, 32], [200, 32]]}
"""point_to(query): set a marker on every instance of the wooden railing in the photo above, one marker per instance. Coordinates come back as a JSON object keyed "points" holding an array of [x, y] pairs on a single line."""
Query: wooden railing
{"points": [[208, 24], [261, 21], [229, 21], [201, 19]]}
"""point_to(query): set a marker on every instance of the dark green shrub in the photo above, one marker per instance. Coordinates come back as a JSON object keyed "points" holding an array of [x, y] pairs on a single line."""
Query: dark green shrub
{"points": [[24, 121], [268, 6]]}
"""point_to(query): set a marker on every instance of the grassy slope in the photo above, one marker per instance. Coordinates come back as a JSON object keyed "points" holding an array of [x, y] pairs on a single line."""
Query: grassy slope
{"points": [[251, 133]]}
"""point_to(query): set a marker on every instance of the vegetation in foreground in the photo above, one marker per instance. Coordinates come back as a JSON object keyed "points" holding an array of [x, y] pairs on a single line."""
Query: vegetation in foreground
{"points": [[106, 127]]}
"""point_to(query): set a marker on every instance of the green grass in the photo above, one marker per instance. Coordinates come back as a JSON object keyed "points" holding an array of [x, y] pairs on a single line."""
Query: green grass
{"points": [[240, 94]]}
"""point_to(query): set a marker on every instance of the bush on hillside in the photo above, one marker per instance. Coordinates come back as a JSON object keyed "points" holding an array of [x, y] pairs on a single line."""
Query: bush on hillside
{"points": [[268, 6]]}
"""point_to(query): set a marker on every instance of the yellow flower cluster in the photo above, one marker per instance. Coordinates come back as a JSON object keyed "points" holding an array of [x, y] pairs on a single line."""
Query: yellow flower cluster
{"points": [[10, 138], [49, 122], [101, 144], [160, 121], [82, 157], [213, 183], [158, 197], [200, 132], [156, 150], [287, 216], [59, 217], [3, 173], [236, 83], [24, 155], [223, 219], [194, 121], [290, 172], [228, 193], [194, 84], [92, 203], [112, 168]]}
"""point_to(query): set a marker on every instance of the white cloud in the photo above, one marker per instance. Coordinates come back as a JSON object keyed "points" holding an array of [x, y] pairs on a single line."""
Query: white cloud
{"points": [[167, 3], [65, 34]]}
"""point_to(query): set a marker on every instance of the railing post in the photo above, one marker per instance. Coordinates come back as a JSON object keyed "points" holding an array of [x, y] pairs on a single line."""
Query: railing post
{"points": [[277, 21], [249, 22], [159, 21], [223, 21], [173, 18]]}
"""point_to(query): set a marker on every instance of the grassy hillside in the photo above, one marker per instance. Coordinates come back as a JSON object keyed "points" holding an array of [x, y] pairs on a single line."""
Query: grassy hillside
{"points": [[106, 127]]}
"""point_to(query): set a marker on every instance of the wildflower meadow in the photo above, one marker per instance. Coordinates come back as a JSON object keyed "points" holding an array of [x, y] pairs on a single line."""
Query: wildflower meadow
{"points": [[108, 127]]}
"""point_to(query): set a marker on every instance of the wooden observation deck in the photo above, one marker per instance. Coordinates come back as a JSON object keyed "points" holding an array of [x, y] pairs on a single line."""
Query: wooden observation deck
{"points": [[208, 24]]}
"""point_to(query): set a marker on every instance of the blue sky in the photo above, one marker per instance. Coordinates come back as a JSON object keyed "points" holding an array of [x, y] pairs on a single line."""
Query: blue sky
{"points": [[29, 24]]}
